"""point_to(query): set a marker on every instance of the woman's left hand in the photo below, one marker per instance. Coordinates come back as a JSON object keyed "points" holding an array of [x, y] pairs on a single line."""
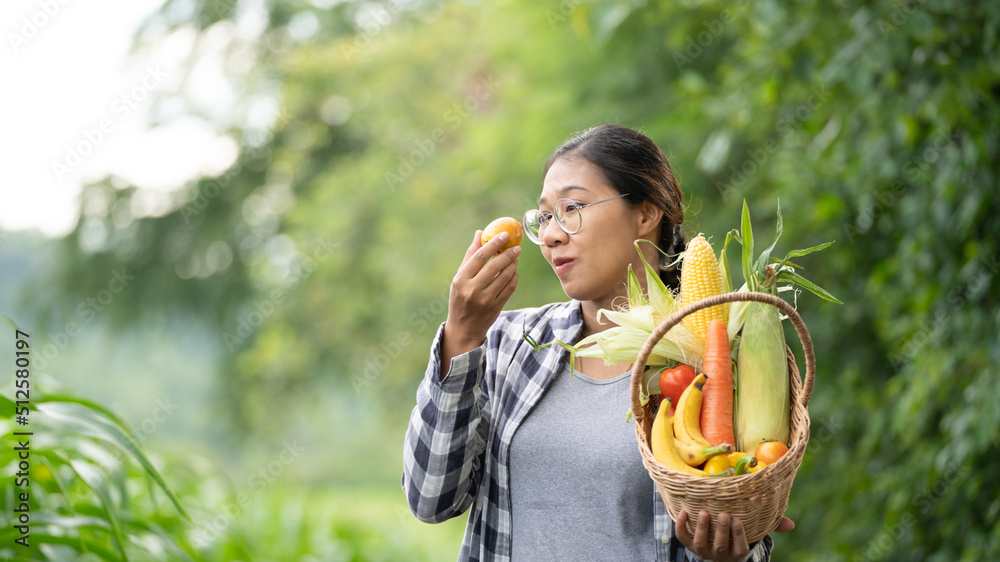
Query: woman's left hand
{"points": [[728, 527]]}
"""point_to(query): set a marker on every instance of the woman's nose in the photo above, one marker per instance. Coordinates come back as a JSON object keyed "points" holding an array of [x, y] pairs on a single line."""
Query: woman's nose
{"points": [[551, 234]]}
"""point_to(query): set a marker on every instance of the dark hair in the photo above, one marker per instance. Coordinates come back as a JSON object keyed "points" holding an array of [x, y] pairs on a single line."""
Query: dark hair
{"points": [[634, 164]]}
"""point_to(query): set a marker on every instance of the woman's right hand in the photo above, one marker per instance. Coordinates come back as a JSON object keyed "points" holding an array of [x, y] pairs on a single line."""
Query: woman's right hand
{"points": [[478, 293]]}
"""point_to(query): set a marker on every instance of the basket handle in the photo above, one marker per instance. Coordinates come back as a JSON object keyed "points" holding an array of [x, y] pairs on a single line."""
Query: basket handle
{"points": [[743, 296]]}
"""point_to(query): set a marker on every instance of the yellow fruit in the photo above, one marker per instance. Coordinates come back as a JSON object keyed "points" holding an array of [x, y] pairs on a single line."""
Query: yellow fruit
{"points": [[661, 443], [735, 457], [717, 464], [687, 418], [695, 455], [503, 224]]}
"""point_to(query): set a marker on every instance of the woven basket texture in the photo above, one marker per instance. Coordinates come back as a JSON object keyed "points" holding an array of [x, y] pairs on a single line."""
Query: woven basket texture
{"points": [[759, 499]]}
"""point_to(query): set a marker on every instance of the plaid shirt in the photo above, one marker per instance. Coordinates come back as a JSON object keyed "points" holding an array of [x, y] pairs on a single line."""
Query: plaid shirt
{"points": [[457, 449]]}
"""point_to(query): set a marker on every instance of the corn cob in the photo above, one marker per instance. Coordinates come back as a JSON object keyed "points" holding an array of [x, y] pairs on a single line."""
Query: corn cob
{"points": [[700, 278], [763, 397]]}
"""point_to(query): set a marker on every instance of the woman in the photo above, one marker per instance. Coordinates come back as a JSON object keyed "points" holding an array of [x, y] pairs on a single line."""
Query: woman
{"points": [[546, 460]]}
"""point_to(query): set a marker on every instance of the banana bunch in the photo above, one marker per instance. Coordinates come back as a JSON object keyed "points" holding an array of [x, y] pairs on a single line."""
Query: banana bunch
{"points": [[676, 441]]}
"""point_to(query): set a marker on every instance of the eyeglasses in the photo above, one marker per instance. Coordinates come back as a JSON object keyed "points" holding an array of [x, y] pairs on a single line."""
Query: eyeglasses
{"points": [[568, 214]]}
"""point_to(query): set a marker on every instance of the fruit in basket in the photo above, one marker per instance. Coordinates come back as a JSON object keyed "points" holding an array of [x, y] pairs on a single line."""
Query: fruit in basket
{"points": [[675, 380], [770, 451], [735, 457], [717, 464], [745, 464], [696, 455], [687, 419], [701, 278], [661, 442], [717, 406], [503, 224]]}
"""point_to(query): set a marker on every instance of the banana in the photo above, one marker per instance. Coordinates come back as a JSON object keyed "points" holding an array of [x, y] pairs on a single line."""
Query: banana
{"points": [[694, 455], [687, 418], [662, 443]]}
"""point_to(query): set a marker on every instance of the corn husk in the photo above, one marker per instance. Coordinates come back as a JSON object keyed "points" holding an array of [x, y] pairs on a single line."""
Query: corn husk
{"points": [[762, 405], [634, 322]]}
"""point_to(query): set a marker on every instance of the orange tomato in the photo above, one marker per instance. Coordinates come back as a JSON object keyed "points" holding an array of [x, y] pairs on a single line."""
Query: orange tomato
{"points": [[770, 451], [504, 224]]}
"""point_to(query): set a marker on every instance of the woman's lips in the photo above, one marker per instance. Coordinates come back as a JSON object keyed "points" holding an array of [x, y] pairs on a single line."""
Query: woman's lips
{"points": [[561, 265]]}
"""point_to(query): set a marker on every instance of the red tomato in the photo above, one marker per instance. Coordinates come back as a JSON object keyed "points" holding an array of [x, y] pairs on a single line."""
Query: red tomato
{"points": [[674, 381]]}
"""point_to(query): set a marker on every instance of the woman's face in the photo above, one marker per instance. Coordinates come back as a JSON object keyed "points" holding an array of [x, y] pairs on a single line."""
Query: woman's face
{"points": [[592, 264]]}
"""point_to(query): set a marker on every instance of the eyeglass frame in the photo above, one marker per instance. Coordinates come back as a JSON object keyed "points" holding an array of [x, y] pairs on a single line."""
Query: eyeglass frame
{"points": [[545, 223]]}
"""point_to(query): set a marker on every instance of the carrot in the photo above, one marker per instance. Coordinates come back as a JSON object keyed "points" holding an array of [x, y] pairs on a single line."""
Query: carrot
{"points": [[717, 401]]}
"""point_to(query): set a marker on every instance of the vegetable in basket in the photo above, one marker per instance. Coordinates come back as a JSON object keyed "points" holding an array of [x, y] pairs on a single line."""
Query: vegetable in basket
{"points": [[701, 278], [717, 404], [763, 399]]}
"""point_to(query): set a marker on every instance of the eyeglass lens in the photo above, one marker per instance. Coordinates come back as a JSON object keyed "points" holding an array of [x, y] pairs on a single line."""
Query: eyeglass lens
{"points": [[566, 213]]}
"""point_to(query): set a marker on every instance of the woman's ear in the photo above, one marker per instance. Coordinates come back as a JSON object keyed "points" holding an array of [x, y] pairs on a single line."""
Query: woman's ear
{"points": [[648, 219]]}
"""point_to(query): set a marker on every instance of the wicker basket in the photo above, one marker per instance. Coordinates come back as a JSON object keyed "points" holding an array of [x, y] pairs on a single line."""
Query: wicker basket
{"points": [[759, 499]]}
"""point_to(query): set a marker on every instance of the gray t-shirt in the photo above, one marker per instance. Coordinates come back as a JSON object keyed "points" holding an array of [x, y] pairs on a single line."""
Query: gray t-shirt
{"points": [[578, 488]]}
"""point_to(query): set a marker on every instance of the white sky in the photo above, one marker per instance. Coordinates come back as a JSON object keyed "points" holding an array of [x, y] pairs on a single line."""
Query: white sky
{"points": [[66, 75]]}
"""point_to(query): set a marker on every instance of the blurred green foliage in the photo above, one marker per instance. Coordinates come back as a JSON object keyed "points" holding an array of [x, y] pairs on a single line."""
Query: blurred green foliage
{"points": [[392, 131]]}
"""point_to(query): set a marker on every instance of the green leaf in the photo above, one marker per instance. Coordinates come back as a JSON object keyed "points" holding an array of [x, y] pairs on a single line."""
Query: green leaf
{"points": [[635, 295], [9, 321], [70, 399], [94, 423], [104, 495], [746, 230], [762, 260], [80, 543], [737, 315], [727, 280], [785, 262], [808, 285], [651, 381], [6, 407], [655, 288], [806, 251], [802, 252]]}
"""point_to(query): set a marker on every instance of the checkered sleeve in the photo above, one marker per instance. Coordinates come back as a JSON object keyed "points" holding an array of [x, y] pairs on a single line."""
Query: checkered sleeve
{"points": [[445, 442], [761, 552]]}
